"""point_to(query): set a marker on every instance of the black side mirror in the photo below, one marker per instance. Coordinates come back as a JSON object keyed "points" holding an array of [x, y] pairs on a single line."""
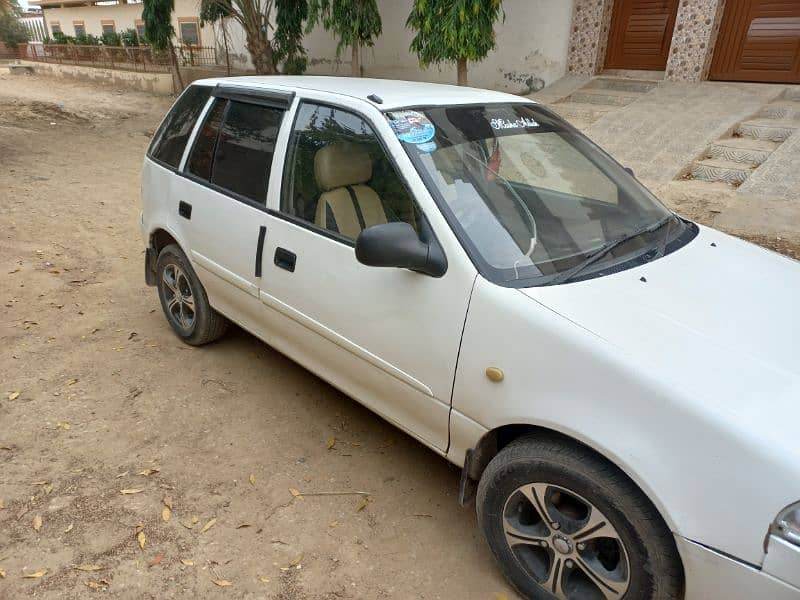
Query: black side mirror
{"points": [[397, 245]]}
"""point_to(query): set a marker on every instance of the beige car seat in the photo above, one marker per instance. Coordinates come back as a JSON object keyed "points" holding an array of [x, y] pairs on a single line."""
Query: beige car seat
{"points": [[346, 205]]}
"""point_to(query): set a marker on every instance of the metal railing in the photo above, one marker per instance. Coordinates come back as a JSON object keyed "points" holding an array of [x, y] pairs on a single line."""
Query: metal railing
{"points": [[127, 58]]}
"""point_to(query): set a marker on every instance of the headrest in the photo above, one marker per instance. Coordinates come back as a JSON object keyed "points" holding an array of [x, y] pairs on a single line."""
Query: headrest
{"points": [[341, 164]]}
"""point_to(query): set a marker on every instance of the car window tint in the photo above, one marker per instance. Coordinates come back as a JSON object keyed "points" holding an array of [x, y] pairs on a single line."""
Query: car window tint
{"points": [[245, 148], [170, 139], [338, 176], [202, 157]]}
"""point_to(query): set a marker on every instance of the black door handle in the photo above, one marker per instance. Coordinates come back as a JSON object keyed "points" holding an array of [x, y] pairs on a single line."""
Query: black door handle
{"points": [[285, 259], [262, 233], [185, 209]]}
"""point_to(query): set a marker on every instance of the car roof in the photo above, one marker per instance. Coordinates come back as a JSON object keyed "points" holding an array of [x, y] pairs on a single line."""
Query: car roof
{"points": [[393, 93]]}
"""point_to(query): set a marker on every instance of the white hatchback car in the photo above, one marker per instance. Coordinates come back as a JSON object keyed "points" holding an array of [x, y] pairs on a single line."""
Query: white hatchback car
{"points": [[620, 385]]}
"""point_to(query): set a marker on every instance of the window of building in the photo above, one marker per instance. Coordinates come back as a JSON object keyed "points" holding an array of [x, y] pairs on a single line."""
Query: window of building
{"points": [[338, 176], [108, 26], [139, 24], [80, 28], [189, 30], [170, 139], [55, 27]]}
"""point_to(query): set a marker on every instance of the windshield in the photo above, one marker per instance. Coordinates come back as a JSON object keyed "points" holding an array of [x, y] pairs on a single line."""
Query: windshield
{"points": [[529, 196]]}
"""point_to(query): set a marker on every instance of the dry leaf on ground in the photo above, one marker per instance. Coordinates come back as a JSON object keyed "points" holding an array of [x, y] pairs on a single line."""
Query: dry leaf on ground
{"points": [[35, 575], [130, 491], [362, 504], [295, 492], [209, 525], [142, 539], [221, 582], [331, 442], [69, 527], [264, 579], [166, 513], [88, 567], [95, 584], [13, 395], [37, 522], [167, 501], [187, 562], [252, 479], [2, 574]]}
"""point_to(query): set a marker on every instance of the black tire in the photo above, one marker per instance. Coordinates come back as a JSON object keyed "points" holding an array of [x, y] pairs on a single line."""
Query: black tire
{"points": [[206, 324], [649, 564]]}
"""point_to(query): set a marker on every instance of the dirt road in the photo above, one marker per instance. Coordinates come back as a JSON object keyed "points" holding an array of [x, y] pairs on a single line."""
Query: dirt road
{"points": [[97, 390], [106, 419]]}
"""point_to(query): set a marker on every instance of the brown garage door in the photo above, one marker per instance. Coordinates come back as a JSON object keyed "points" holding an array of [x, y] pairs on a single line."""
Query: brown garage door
{"points": [[759, 40], [641, 34]]}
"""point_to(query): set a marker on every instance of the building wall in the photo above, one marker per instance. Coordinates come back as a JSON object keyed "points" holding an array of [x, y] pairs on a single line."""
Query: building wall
{"points": [[531, 49], [123, 15]]}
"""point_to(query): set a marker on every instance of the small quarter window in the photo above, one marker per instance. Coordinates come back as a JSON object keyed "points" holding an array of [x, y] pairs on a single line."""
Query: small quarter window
{"points": [[170, 139], [202, 158], [245, 148]]}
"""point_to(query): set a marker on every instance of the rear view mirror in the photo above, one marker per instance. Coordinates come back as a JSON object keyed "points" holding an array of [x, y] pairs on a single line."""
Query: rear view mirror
{"points": [[398, 245]]}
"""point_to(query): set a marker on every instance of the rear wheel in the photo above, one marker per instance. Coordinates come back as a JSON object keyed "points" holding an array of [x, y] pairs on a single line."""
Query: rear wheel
{"points": [[564, 523], [184, 299]]}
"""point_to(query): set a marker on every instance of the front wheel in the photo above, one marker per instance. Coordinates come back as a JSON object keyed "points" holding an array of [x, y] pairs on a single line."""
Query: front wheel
{"points": [[564, 523]]}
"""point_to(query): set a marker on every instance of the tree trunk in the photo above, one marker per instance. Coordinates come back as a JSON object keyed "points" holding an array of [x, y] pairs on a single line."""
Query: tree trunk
{"points": [[227, 52], [356, 61], [461, 69], [175, 65], [261, 54]]}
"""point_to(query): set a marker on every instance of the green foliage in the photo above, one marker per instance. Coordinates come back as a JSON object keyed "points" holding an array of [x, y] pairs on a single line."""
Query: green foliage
{"points": [[355, 23], [111, 38], [87, 39], [61, 38], [212, 11], [129, 37], [157, 17], [288, 39], [12, 32], [453, 30]]}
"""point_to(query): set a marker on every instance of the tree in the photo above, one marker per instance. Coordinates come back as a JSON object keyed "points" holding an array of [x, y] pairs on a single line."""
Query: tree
{"points": [[157, 17], [254, 17], [453, 31], [12, 32], [355, 23], [216, 12]]}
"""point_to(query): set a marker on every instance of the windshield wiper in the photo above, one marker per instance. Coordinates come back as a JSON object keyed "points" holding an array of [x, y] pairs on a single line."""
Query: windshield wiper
{"points": [[603, 250]]}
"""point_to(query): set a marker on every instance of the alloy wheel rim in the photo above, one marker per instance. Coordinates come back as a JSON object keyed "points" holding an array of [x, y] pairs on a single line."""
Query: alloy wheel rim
{"points": [[179, 297], [565, 543]]}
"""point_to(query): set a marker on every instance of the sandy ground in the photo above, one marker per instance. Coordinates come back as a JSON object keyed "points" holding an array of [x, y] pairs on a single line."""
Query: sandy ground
{"points": [[98, 396]]}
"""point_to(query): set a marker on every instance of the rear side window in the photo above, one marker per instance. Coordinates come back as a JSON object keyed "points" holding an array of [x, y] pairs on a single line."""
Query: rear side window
{"points": [[170, 139], [235, 146]]}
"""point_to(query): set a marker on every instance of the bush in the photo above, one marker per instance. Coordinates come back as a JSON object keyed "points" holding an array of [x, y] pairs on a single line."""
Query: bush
{"points": [[61, 38], [110, 38], [129, 37], [87, 39], [12, 32]]}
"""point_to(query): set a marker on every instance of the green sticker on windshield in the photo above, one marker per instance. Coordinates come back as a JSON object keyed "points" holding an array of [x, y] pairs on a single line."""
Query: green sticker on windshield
{"points": [[411, 126]]}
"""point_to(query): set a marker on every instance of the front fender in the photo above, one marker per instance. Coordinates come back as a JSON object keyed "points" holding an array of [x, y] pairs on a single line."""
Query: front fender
{"points": [[711, 479]]}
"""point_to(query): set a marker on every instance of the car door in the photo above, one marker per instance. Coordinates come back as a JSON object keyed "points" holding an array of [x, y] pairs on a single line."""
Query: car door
{"points": [[226, 177], [387, 337]]}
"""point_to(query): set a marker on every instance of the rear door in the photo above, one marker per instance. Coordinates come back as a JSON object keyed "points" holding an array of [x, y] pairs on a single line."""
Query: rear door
{"points": [[223, 193]]}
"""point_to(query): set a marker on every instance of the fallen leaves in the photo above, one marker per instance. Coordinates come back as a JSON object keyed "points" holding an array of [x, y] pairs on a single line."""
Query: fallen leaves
{"points": [[14, 395], [96, 584], [142, 539], [166, 511], [187, 562], [37, 522], [331, 443], [36, 575], [148, 472], [221, 582], [2, 574], [362, 503], [128, 491], [69, 527], [295, 492], [263, 579], [252, 479], [65, 426], [209, 525], [156, 560], [89, 568]]}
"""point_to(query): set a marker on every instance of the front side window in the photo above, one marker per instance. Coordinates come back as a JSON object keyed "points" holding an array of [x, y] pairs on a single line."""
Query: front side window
{"points": [[235, 146], [338, 176], [532, 200], [170, 140]]}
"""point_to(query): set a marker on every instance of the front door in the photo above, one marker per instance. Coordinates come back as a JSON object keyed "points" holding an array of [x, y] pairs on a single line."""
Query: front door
{"points": [[224, 194], [641, 34], [759, 40], [388, 337]]}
